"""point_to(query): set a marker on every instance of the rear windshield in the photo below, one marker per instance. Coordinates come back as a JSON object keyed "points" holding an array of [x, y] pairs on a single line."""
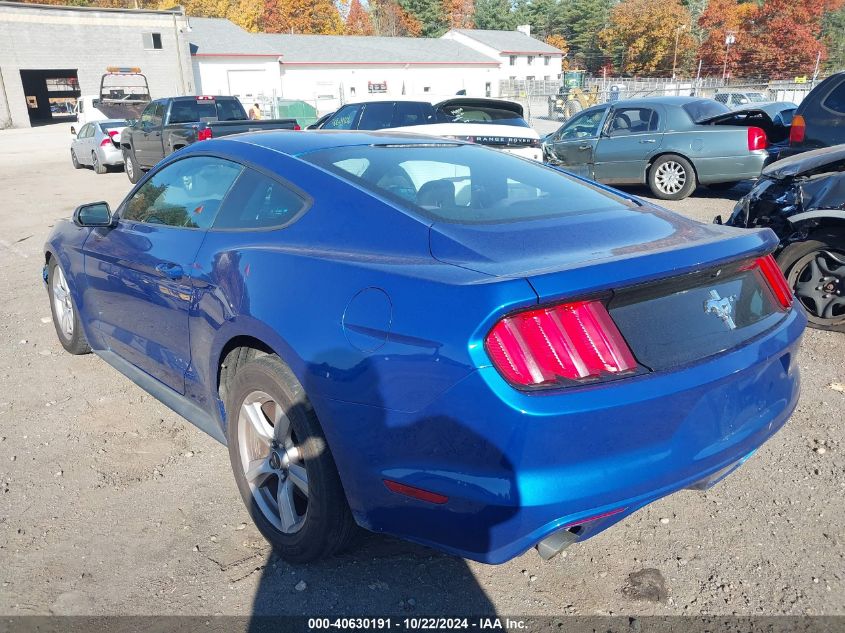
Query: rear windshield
{"points": [[190, 111], [704, 109], [465, 184], [113, 125], [475, 114]]}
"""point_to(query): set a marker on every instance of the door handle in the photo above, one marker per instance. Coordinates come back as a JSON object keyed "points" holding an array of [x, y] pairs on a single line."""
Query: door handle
{"points": [[170, 270], [649, 140], [584, 146]]}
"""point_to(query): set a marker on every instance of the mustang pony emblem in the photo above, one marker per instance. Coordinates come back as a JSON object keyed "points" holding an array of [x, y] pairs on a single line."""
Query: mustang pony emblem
{"points": [[722, 308]]}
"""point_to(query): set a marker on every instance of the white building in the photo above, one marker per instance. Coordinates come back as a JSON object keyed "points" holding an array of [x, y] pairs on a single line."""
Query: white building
{"points": [[329, 70], [521, 56]]}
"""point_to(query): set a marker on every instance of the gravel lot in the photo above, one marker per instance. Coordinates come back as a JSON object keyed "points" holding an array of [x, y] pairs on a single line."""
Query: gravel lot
{"points": [[112, 504]]}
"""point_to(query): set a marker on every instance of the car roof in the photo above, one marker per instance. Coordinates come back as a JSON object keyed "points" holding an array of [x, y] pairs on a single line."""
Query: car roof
{"points": [[302, 141]]}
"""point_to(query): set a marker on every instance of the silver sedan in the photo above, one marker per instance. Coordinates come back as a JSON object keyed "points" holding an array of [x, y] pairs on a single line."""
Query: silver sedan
{"points": [[98, 144]]}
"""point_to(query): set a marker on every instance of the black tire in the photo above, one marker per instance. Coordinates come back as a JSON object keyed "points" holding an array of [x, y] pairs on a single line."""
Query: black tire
{"points": [[662, 183], [73, 341], [131, 167], [572, 107], [74, 160], [99, 168], [812, 292], [327, 525]]}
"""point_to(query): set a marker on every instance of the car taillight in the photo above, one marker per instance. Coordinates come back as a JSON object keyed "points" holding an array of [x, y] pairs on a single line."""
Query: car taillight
{"points": [[296, 126], [757, 139], [204, 134], [774, 277], [798, 130], [566, 342], [105, 142]]}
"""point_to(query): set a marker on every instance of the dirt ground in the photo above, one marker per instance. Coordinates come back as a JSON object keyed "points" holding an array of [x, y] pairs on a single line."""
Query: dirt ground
{"points": [[112, 504]]}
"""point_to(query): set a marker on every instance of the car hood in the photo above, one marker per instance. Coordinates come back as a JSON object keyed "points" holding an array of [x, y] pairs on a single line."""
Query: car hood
{"points": [[817, 161], [554, 252]]}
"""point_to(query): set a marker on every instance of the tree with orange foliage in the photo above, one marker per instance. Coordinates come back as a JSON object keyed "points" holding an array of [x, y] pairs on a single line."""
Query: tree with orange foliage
{"points": [[391, 20], [720, 18], [301, 16], [642, 35], [358, 20], [559, 42], [459, 13]]}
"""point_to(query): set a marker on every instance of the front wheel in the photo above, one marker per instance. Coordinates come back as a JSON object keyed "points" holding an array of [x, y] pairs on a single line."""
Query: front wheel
{"points": [[282, 464], [671, 177], [815, 270], [133, 171], [65, 315]]}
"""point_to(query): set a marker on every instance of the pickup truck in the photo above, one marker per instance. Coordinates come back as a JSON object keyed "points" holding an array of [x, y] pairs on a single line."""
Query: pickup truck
{"points": [[167, 125]]}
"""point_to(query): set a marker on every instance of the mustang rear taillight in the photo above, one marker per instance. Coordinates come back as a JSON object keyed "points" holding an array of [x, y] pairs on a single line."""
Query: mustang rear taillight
{"points": [[566, 342], [777, 282], [757, 139]]}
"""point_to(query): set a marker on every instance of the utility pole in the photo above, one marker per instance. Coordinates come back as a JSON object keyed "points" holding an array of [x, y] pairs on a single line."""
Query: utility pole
{"points": [[816, 70], [729, 39], [675, 56]]}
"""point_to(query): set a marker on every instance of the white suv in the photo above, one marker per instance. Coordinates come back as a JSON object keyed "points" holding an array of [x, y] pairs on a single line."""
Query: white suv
{"points": [[492, 122]]}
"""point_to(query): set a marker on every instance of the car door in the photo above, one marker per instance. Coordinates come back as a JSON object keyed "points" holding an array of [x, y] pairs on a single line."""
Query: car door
{"points": [[377, 115], [139, 288], [147, 135], [631, 136], [573, 144], [79, 144]]}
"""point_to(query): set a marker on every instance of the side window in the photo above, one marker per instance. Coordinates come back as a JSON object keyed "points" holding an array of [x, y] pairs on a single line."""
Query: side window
{"points": [[584, 125], [258, 202], [344, 119], [83, 133], [412, 113], [632, 121], [721, 98], [835, 100], [149, 113], [376, 116], [158, 115], [187, 193]]}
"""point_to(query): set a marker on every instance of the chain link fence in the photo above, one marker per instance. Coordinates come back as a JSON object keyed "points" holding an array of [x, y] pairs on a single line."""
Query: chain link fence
{"points": [[543, 106]]}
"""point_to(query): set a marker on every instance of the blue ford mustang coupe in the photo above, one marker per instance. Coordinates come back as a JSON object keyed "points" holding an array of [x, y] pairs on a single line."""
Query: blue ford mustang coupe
{"points": [[430, 338]]}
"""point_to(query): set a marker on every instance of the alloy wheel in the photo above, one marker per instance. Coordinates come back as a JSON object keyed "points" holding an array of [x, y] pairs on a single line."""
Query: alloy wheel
{"points": [[272, 462], [62, 303], [129, 165], [818, 280], [670, 177]]}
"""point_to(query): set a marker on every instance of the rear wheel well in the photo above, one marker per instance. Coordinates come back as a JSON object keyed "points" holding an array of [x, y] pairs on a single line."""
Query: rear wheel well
{"points": [[654, 158], [234, 355]]}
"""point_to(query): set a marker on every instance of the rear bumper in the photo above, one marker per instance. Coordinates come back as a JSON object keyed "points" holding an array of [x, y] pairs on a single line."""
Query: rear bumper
{"points": [[730, 168], [517, 467], [110, 155], [534, 153]]}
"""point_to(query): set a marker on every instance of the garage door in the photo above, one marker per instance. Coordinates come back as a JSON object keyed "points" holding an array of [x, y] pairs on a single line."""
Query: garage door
{"points": [[247, 84]]}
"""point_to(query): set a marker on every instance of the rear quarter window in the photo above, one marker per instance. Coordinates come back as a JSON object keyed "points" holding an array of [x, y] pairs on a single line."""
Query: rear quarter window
{"points": [[835, 100], [257, 201]]}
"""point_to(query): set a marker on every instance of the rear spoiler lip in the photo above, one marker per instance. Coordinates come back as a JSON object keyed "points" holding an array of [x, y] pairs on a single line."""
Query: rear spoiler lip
{"points": [[499, 104]]}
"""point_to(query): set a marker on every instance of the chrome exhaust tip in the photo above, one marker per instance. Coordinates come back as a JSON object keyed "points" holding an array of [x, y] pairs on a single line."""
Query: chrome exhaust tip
{"points": [[555, 543]]}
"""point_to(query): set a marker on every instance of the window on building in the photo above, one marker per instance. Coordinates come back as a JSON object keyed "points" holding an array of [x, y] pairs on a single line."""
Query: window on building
{"points": [[530, 60], [152, 40], [352, 91], [513, 60], [546, 78], [547, 60], [529, 78], [427, 89]]}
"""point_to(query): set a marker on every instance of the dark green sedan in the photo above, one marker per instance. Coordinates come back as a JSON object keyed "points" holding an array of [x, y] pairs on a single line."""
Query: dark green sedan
{"points": [[671, 144]]}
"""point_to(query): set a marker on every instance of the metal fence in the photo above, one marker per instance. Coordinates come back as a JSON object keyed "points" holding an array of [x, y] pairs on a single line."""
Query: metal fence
{"points": [[536, 96]]}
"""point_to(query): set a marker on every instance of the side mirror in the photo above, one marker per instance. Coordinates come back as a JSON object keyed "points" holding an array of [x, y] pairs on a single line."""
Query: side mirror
{"points": [[93, 214], [73, 131]]}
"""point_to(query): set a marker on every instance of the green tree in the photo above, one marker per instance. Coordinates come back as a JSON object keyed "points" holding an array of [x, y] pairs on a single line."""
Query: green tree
{"points": [[582, 21], [494, 14], [430, 15], [833, 35]]}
